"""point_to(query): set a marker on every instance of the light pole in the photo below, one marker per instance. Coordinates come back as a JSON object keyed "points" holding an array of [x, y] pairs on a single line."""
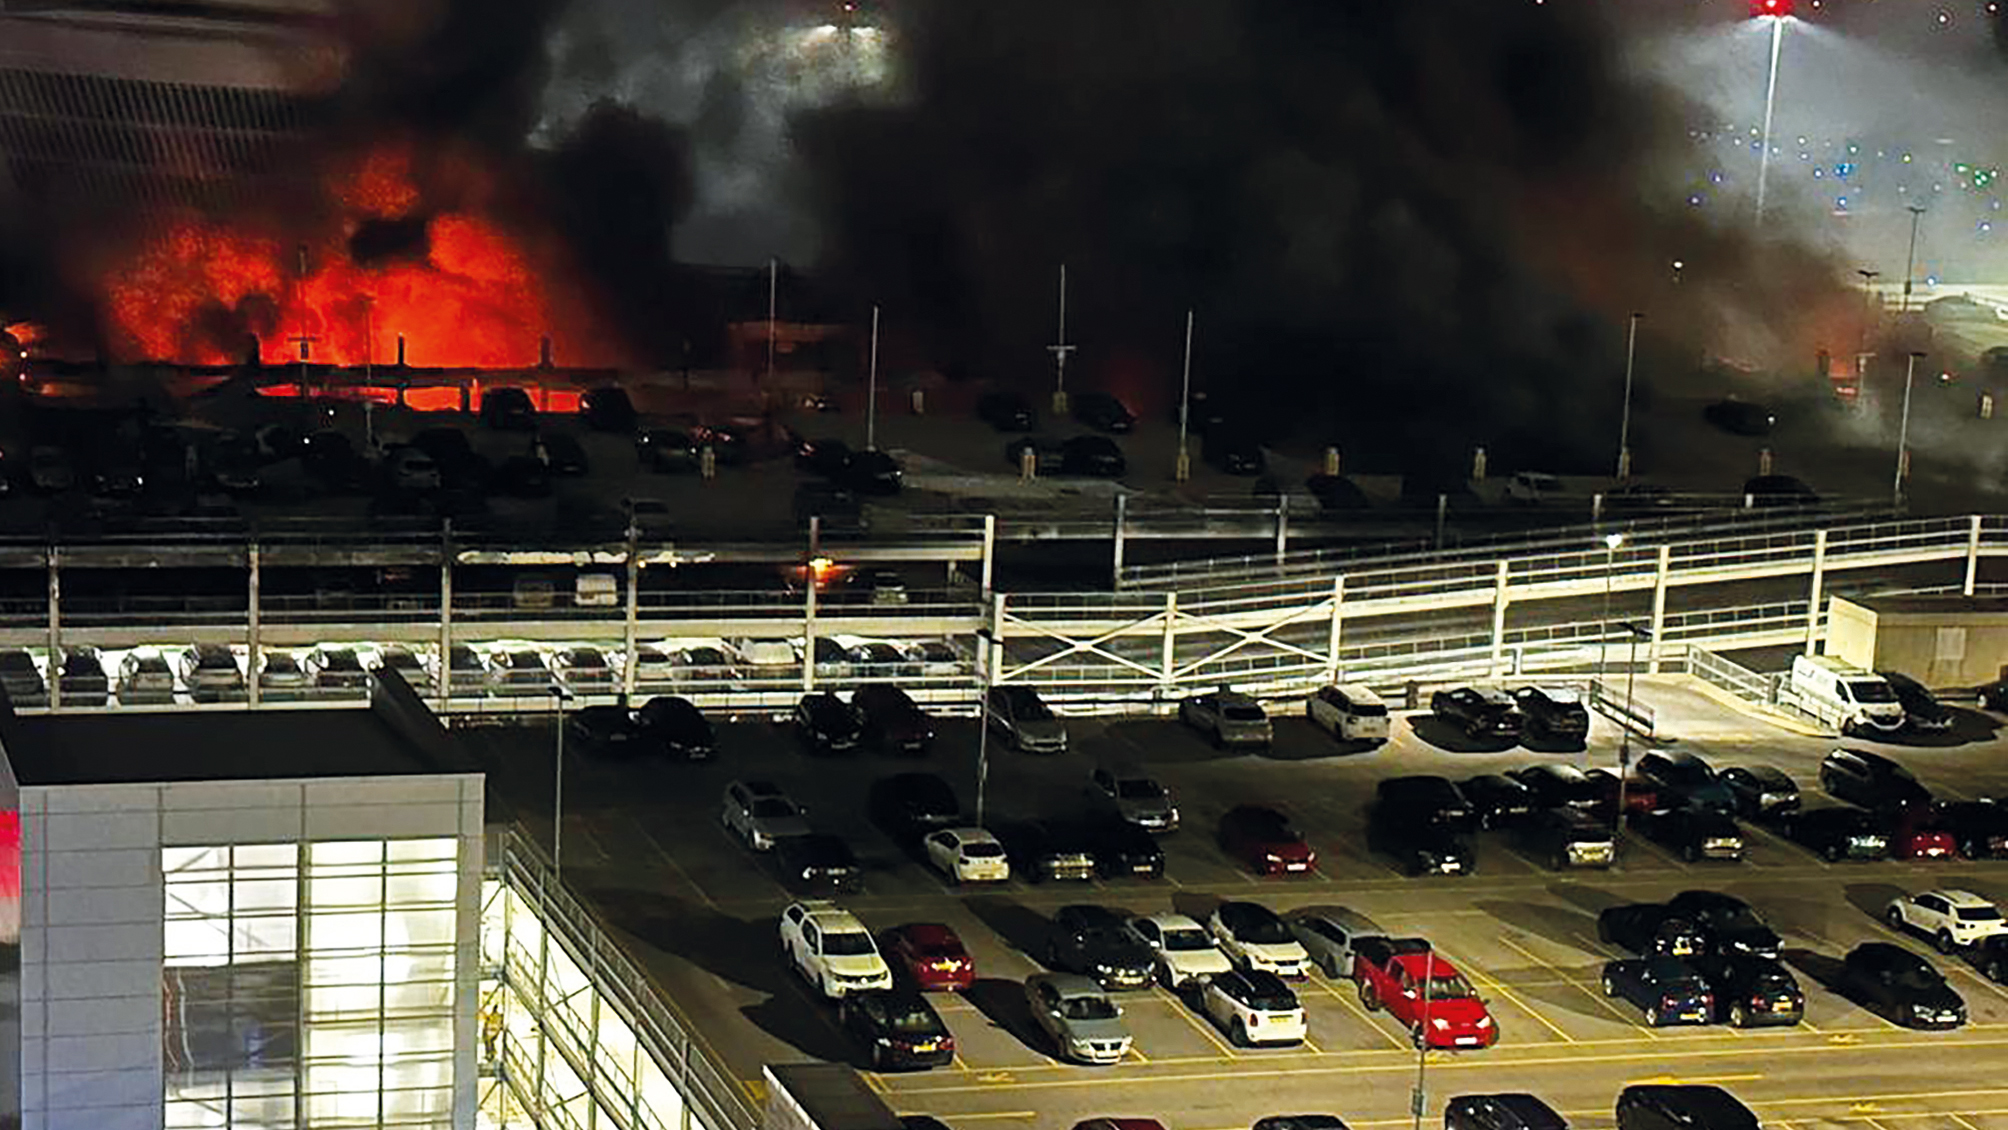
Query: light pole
{"points": [[1060, 351], [1903, 430], [1183, 470], [1624, 739], [559, 693], [1910, 257], [1777, 11], [1611, 543], [1624, 421], [1417, 1099], [871, 389]]}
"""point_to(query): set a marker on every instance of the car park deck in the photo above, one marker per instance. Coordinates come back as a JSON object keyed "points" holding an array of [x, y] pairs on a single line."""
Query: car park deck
{"points": [[697, 910]]}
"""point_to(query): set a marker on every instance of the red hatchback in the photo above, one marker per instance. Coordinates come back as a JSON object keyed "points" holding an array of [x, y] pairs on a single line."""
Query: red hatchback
{"points": [[1264, 839], [1914, 834], [931, 956]]}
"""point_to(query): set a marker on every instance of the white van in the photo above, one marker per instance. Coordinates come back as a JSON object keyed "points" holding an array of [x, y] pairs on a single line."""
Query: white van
{"points": [[767, 654], [1349, 712], [1853, 699], [596, 590]]}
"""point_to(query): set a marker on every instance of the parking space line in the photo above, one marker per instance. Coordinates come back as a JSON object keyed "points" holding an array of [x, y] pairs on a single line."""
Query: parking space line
{"points": [[1498, 986], [1204, 1025], [1353, 1006], [1963, 1123]]}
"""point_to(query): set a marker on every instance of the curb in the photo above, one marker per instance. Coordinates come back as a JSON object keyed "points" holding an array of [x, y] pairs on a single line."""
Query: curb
{"points": [[1750, 709]]}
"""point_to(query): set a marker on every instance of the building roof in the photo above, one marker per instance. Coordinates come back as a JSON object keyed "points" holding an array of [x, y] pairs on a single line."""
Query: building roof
{"points": [[186, 745], [1931, 605]]}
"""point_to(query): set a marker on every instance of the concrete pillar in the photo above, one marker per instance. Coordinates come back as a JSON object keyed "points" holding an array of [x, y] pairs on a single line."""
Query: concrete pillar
{"points": [[56, 632], [1338, 629], [1122, 521], [632, 634], [1658, 608], [989, 550], [1332, 461], [1168, 650], [1499, 601], [1972, 556], [253, 640], [809, 632], [445, 687], [1282, 526], [1764, 461], [1813, 605], [1478, 464]]}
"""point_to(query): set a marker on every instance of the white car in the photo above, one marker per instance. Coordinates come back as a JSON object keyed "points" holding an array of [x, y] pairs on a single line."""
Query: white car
{"points": [[1349, 712], [1952, 919], [1253, 937], [832, 950], [968, 855], [1534, 487], [1254, 1007], [1186, 953]]}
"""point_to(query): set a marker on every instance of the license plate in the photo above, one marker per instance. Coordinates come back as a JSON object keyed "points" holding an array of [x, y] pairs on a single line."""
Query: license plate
{"points": [[1683, 949], [1143, 869], [1694, 1015], [1296, 867], [1466, 1041], [927, 1046]]}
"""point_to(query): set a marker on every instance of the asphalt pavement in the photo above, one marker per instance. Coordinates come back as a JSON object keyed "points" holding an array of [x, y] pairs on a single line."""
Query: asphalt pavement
{"points": [[643, 843]]}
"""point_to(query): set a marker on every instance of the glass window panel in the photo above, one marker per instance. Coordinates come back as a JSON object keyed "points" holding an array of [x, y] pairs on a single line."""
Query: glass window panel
{"points": [[262, 1083], [417, 1001], [176, 859], [255, 937], [329, 933], [330, 1001], [419, 966], [356, 891], [417, 1039], [345, 851], [364, 970], [438, 888], [331, 1105], [660, 1100], [444, 847], [195, 942], [417, 1101], [185, 1114], [340, 1041], [261, 1110], [205, 897], [421, 927], [262, 895], [284, 856]]}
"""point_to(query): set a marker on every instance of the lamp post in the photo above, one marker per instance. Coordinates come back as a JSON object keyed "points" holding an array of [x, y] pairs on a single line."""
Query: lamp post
{"points": [[1624, 420], [1183, 470], [1903, 431], [1417, 1098], [871, 389], [1910, 257], [1060, 351], [1777, 11], [1611, 543], [1624, 738], [560, 694]]}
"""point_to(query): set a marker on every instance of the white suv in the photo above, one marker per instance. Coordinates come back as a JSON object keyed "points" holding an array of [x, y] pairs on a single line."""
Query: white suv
{"points": [[1951, 919], [832, 950]]}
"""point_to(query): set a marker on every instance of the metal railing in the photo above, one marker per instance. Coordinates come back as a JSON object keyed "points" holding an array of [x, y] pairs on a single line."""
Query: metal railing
{"points": [[1731, 676]]}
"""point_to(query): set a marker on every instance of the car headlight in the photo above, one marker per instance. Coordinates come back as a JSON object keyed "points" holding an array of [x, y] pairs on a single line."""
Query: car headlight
{"points": [[1272, 857], [1484, 1022], [1439, 1023]]}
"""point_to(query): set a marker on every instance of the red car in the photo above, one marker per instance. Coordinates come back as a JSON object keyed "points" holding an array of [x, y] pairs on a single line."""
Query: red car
{"points": [[1914, 834], [1641, 795], [1446, 1014], [931, 956], [1264, 840]]}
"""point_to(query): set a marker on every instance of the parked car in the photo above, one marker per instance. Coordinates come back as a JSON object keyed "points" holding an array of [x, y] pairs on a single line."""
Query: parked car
{"points": [[1350, 712], [1264, 840], [1096, 942], [508, 409], [1233, 452], [834, 510], [1501, 1112], [1554, 713], [1916, 833], [1328, 935], [907, 806], [930, 956], [666, 450], [1254, 1006], [1417, 844], [1041, 850], [831, 950], [337, 671], [584, 670], [1256, 938], [1133, 796], [1006, 411], [1649, 929], [1731, 924], [1681, 1106], [967, 855], [1952, 919], [1990, 957], [1103, 412], [22, 678], [81, 679], [1083, 1023], [1186, 954], [603, 731], [1780, 490], [1426, 798], [1666, 989], [1741, 417], [1423, 992], [1559, 786], [1694, 833], [145, 679], [1567, 838], [1922, 711], [1497, 801], [1979, 828], [1531, 488], [1638, 793], [1762, 792], [1227, 718], [1025, 720], [466, 671], [827, 724], [282, 679], [607, 409], [1336, 494], [1124, 849], [1093, 456], [560, 454], [934, 659], [1871, 781], [1752, 991], [1686, 779], [893, 722], [209, 671], [1836, 834], [760, 814], [1478, 713], [676, 728], [874, 473], [1903, 987], [818, 862]]}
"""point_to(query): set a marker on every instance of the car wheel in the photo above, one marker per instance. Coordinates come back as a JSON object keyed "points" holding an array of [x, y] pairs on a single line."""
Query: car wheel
{"points": [[1832, 852], [1369, 999], [1610, 986], [1945, 943], [1165, 978], [1739, 1016], [1894, 917], [1653, 1016], [1239, 1033], [1996, 970]]}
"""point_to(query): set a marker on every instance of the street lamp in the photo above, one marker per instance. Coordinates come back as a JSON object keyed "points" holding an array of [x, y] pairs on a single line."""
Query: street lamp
{"points": [[1910, 257], [1417, 1098], [1869, 278], [1903, 431], [1777, 11], [1183, 470], [1624, 421], [1611, 543], [1624, 734]]}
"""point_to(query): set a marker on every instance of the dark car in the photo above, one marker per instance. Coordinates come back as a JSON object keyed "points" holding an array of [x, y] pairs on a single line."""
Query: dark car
{"points": [[1006, 411], [1681, 1106], [1478, 713], [22, 678], [1426, 798], [1915, 832], [1555, 713], [829, 458], [1990, 957], [1567, 838], [1780, 490], [1045, 850], [1752, 991], [1693, 833], [1496, 800], [1559, 786], [677, 728], [1684, 778], [1103, 412], [1666, 989], [873, 472], [825, 723], [1093, 456], [1233, 452], [1871, 781], [81, 679], [508, 409], [1732, 926], [893, 722], [1265, 840], [1740, 417], [1124, 848], [907, 806], [666, 450], [1336, 493], [1762, 792], [897, 1028], [1047, 457], [1097, 942], [1903, 987], [835, 511], [604, 731], [816, 863], [1979, 828], [1649, 929], [1512, 1111], [1922, 711], [1640, 795], [559, 452], [607, 409], [1838, 833], [1417, 844]]}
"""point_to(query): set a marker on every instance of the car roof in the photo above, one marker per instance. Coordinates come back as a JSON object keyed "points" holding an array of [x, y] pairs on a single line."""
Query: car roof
{"points": [[833, 919], [973, 835], [1351, 919], [1070, 985], [1169, 920], [1958, 897], [1526, 1109], [1238, 911], [1768, 774], [930, 933], [1357, 692]]}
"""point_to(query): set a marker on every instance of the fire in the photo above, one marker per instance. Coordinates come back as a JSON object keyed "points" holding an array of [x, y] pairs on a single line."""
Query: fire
{"points": [[401, 246]]}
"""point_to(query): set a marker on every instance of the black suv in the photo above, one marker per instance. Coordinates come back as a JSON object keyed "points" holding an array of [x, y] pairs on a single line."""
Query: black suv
{"points": [[1103, 412], [1501, 1112], [1428, 799], [1567, 838], [1900, 985], [1479, 713], [677, 728], [1097, 942], [1681, 1106], [1695, 833], [1419, 845], [825, 723], [1871, 781], [1553, 713], [1731, 925]]}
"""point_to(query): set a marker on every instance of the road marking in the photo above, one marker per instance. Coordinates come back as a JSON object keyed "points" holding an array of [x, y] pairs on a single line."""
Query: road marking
{"points": [[1352, 1005], [1684, 1080], [1964, 1125], [1023, 1115], [1140, 1057], [994, 1077], [1204, 1025], [1529, 1009]]}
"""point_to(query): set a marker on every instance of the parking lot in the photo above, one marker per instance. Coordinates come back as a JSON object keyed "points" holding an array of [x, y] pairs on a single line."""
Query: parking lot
{"points": [[644, 842]]}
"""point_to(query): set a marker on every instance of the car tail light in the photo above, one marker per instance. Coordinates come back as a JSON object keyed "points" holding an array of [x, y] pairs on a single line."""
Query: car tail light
{"points": [[1708, 999]]}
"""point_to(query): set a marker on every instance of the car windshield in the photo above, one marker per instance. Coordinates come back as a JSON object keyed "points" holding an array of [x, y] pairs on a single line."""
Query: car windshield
{"points": [[1106, 938], [916, 1020], [1979, 914], [1871, 690], [1139, 788], [1028, 707], [982, 850], [1450, 986], [1186, 938], [772, 808], [1272, 1002], [1263, 932], [1686, 772], [847, 943], [341, 660], [1772, 982], [1563, 697], [1087, 1008], [1917, 977], [1242, 713]]}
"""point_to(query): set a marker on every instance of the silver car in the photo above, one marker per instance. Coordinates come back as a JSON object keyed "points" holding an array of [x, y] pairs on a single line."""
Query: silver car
{"points": [[759, 813], [1085, 1025], [1134, 796], [1025, 720], [145, 677], [1227, 717], [1331, 934]]}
